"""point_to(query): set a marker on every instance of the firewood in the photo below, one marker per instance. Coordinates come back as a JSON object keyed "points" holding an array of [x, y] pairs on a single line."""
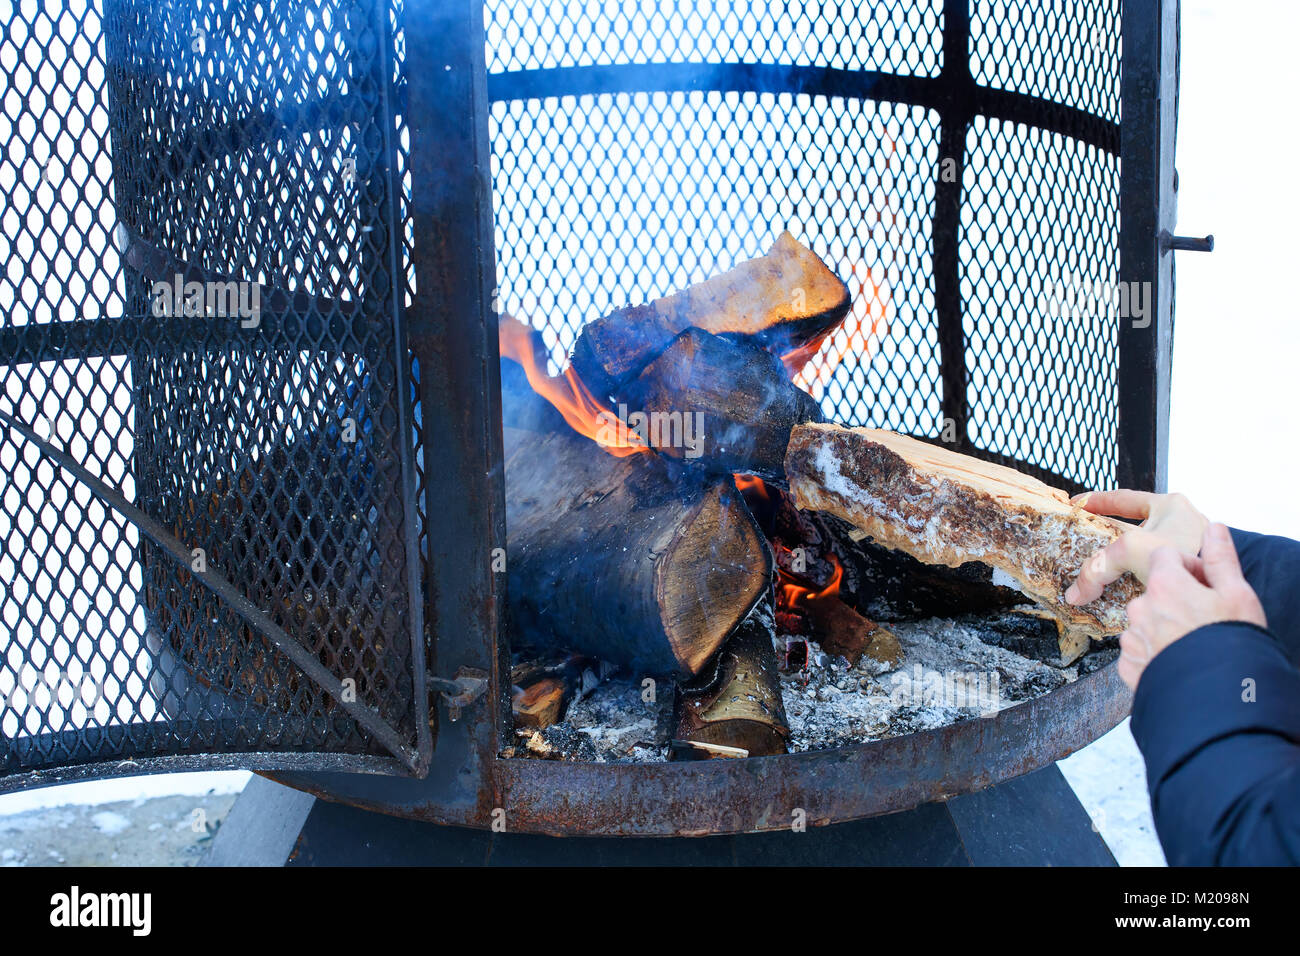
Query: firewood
{"points": [[784, 300], [741, 706], [842, 631], [1030, 631], [627, 559], [949, 509], [725, 405], [540, 704]]}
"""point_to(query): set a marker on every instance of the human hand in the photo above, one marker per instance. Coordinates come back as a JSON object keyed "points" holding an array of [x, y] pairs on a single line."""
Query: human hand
{"points": [[1184, 593], [1168, 521]]}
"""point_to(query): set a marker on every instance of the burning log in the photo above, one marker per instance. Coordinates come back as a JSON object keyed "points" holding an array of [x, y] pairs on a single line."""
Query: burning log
{"points": [[623, 559], [741, 706], [812, 548], [728, 404], [945, 508], [785, 300]]}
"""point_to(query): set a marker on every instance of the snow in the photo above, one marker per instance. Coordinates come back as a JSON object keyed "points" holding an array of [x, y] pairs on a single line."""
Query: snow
{"points": [[136, 789], [110, 823], [1110, 781]]}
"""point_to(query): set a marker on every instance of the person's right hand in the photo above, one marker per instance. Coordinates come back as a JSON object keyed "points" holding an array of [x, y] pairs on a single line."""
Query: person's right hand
{"points": [[1168, 521]]}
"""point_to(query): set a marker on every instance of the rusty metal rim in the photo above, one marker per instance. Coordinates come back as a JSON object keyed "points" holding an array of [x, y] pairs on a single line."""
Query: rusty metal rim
{"points": [[758, 794]]}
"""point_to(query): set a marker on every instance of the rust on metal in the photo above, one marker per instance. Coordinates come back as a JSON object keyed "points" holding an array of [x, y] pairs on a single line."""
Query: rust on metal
{"points": [[756, 794]]}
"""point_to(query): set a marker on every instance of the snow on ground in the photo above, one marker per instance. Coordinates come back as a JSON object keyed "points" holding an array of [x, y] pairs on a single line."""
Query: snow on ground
{"points": [[122, 789], [1110, 781]]}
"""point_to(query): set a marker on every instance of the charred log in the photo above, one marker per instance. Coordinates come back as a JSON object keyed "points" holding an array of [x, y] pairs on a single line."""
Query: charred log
{"points": [[784, 300], [726, 405], [881, 584], [624, 559]]}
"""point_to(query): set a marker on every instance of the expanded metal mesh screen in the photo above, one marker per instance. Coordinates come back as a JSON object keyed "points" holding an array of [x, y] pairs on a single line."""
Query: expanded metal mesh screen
{"points": [[202, 211], [638, 149]]}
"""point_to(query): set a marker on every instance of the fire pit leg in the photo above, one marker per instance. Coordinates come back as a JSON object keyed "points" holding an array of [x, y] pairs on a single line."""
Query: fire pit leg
{"points": [[262, 826]]}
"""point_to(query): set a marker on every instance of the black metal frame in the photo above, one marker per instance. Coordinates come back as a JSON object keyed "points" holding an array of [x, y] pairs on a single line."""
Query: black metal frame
{"points": [[364, 327]]}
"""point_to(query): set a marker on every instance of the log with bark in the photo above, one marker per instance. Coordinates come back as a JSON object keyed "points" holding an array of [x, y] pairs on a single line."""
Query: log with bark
{"points": [[945, 508], [632, 560], [740, 707], [785, 300], [726, 405]]}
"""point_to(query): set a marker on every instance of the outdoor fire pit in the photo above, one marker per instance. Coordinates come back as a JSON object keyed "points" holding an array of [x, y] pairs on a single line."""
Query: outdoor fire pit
{"points": [[329, 330]]}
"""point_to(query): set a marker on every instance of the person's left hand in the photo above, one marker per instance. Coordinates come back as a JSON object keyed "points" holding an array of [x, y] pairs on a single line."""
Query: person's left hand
{"points": [[1184, 593]]}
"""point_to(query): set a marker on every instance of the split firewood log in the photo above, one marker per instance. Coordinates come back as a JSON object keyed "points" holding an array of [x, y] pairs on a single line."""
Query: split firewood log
{"points": [[784, 300], [945, 508], [741, 706], [725, 405], [632, 560]]}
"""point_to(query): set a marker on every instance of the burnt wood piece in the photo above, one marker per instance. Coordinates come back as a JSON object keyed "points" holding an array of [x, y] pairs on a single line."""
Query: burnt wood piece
{"points": [[946, 508], [741, 705], [842, 631], [540, 704], [888, 585], [881, 584], [727, 406], [627, 559], [784, 300], [1027, 630]]}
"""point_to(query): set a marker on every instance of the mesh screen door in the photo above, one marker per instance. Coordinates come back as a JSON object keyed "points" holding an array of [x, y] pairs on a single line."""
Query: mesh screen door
{"points": [[208, 462]]}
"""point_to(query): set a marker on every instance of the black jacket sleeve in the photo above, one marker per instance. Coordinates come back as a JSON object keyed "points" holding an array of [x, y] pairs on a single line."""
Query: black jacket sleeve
{"points": [[1272, 566], [1217, 718]]}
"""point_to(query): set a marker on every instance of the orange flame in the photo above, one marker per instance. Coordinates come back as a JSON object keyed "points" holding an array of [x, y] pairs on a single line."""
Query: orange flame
{"points": [[571, 398], [866, 323], [791, 593]]}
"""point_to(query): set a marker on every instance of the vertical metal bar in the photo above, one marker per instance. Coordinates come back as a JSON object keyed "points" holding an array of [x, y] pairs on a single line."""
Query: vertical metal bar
{"points": [[946, 226], [1149, 110], [450, 330], [391, 177]]}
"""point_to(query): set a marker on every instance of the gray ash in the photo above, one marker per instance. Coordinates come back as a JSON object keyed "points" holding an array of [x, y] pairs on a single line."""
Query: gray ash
{"points": [[952, 670]]}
